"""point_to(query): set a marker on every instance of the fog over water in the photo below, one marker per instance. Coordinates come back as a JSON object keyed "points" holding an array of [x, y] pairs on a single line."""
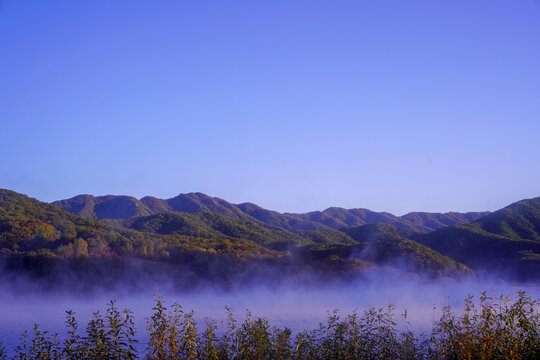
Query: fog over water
{"points": [[289, 305]]}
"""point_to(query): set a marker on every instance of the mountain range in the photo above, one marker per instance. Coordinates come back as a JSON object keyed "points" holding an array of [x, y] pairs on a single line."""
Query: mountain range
{"points": [[124, 207], [196, 238]]}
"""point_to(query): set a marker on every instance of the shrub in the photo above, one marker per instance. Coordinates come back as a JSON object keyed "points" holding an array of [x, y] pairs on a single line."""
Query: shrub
{"points": [[490, 328]]}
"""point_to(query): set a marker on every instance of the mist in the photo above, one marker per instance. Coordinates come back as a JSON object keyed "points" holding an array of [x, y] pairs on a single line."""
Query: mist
{"points": [[298, 305]]}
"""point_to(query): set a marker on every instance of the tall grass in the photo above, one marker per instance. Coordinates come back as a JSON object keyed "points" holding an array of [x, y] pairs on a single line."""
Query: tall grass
{"points": [[487, 328]]}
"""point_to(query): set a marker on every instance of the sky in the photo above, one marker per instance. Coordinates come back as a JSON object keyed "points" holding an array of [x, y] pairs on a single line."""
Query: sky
{"points": [[294, 105]]}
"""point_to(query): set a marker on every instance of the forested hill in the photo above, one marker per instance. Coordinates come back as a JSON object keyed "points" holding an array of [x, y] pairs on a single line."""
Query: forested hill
{"points": [[53, 245], [505, 242], [124, 207], [201, 245]]}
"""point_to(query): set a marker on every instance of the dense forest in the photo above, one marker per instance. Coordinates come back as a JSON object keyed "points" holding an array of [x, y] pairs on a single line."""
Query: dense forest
{"points": [[50, 245]]}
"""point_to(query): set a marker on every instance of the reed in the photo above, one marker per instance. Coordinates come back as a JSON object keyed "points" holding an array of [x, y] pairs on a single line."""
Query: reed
{"points": [[487, 328]]}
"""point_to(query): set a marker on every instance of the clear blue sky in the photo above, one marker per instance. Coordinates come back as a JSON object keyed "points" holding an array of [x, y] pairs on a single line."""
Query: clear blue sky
{"points": [[294, 105]]}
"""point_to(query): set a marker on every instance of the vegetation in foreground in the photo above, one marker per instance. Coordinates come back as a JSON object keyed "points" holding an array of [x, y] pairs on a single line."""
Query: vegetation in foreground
{"points": [[487, 328]]}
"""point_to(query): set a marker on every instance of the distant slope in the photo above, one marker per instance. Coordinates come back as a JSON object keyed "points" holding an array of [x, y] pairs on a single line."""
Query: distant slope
{"points": [[290, 222], [520, 220], [380, 244], [337, 218], [104, 207], [383, 244], [211, 225], [434, 221], [123, 207], [504, 243]]}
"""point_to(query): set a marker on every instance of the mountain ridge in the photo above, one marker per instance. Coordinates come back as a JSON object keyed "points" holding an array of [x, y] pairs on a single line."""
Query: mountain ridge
{"points": [[37, 238], [123, 207], [506, 240], [504, 243]]}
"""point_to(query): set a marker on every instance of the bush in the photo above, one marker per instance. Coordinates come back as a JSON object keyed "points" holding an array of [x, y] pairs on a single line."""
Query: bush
{"points": [[490, 328]]}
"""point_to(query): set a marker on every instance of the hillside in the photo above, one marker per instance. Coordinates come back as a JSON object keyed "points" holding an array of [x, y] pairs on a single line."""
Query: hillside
{"points": [[43, 240], [211, 225], [434, 221], [104, 207], [385, 244], [124, 207], [372, 244], [505, 243], [519, 220]]}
